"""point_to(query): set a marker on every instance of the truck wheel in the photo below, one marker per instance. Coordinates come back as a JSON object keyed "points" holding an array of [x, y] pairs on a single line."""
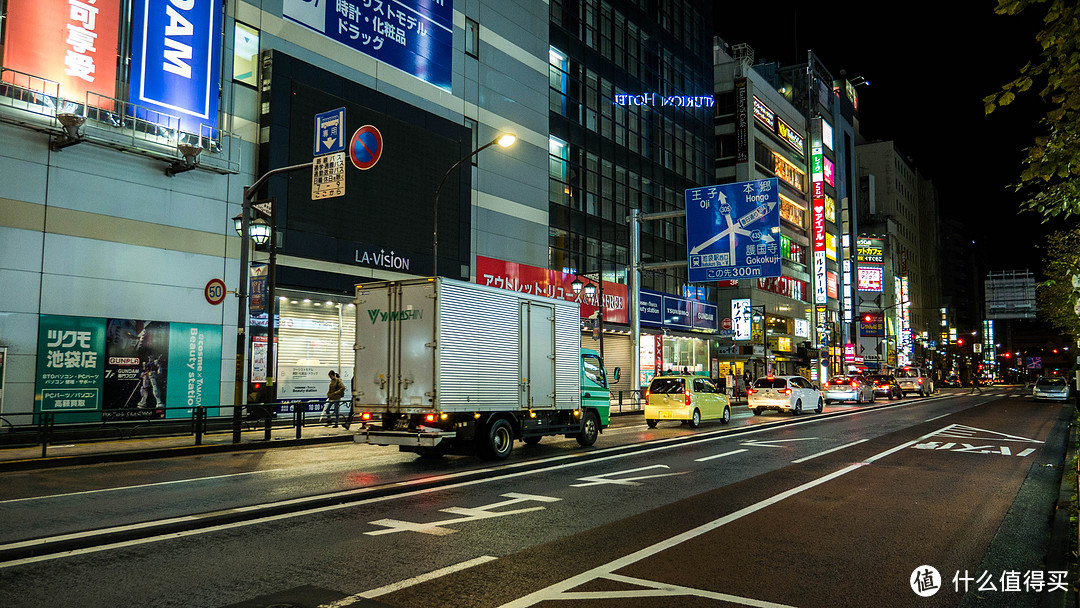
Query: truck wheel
{"points": [[651, 423], [590, 429], [499, 440]]}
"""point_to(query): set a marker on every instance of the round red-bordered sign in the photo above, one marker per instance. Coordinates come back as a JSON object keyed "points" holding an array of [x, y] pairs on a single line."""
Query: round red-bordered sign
{"points": [[214, 291], [365, 147]]}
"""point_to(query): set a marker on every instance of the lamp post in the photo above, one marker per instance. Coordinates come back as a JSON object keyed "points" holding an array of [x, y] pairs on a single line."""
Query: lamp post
{"points": [[505, 140], [266, 234], [590, 290], [240, 391], [754, 317]]}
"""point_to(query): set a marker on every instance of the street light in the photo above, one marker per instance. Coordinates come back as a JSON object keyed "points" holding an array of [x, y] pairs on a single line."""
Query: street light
{"points": [[261, 233], [590, 290], [504, 140], [754, 317]]}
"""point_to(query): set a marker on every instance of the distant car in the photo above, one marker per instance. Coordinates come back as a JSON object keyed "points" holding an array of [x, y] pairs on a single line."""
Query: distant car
{"points": [[915, 380], [1050, 388], [885, 385], [848, 388], [784, 393], [952, 382], [689, 399]]}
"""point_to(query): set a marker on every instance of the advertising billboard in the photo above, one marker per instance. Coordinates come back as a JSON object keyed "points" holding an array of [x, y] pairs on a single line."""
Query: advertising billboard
{"points": [[871, 278], [108, 369], [73, 44], [553, 284], [415, 36], [176, 62], [733, 231]]}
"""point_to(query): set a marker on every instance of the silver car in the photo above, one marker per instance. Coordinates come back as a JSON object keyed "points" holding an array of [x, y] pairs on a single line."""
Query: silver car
{"points": [[1050, 388], [848, 388], [793, 394]]}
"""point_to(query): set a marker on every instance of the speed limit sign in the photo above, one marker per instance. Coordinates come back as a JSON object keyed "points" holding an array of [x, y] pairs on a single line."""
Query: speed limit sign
{"points": [[215, 291]]}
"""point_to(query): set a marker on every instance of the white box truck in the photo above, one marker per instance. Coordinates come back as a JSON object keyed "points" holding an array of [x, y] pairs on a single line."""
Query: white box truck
{"points": [[449, 367]]}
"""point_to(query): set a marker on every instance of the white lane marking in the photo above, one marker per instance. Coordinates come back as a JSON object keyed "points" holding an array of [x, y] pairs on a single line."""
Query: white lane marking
{"points": [[561, 590], [836, 449], [772, 443], [721, 455], [597, 480], [437, 528], [936, 417], [135, 487], [409, 582]]}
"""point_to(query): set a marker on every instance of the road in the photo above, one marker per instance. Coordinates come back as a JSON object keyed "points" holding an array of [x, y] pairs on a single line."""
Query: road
{"points": [[840, 509]]}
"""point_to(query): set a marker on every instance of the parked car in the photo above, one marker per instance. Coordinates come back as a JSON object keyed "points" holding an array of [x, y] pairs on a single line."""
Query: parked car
{"points": [[785, 393], [848, 388], [885, 385], [688, 399], [1051, 388], [915, 380]]}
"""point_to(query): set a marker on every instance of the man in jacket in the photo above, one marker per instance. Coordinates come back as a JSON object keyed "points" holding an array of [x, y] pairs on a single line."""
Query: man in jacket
{"points": [[333, 399]]}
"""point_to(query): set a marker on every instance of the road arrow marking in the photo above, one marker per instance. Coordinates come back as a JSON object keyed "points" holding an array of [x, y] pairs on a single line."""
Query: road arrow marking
{"points": [[596, 480]]}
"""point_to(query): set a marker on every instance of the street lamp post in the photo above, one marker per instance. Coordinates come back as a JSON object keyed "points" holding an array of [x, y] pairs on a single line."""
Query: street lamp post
{"points": [[753, 317], [504, 140], [266, 234], [590, 290]]}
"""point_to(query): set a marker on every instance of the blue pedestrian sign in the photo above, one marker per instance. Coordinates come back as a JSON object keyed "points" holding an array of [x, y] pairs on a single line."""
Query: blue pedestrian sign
{"points": [[733, 231], [330, 132]]}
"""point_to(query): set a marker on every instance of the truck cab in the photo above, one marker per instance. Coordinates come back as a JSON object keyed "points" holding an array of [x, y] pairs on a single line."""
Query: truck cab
{"points": [[594, 385]]}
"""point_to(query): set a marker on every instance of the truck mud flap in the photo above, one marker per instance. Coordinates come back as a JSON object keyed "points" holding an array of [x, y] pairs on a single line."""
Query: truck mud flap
{"points": [[403, 438]]}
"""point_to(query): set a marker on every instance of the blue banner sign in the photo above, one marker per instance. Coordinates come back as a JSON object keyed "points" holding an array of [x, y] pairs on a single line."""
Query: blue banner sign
{"points": [[175, 62], [415, 36], [733, 231], [662, 310]]}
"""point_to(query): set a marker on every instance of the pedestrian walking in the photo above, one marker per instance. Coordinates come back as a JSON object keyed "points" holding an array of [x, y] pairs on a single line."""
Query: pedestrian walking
{"points": [[333, 398], [975, 384]]}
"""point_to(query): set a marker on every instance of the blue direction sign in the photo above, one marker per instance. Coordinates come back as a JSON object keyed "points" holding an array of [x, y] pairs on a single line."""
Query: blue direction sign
{"points": [[733, 231], [330, 132]]}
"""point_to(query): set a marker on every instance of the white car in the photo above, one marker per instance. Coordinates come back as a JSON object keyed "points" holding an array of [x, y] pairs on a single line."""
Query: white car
{"points": [[914, 380], [784, 393], [1050, 388]]}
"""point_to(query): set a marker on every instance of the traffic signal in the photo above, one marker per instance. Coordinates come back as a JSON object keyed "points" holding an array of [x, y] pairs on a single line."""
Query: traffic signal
{"points": [[867, 318], [959, 341]]}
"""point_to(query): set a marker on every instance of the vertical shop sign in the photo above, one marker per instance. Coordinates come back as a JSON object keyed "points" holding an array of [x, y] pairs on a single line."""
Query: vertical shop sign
{"points": [[820, 287], [176, 62], [70, 364], [68, 42], [257, 288], [195, 364], [742, 137]]}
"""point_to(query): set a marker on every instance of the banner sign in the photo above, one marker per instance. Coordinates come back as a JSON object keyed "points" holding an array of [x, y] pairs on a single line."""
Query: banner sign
{"points": [[733, 231], [742, 136], [663, 310], [415, 36], [112, 369], [553, 284], [871, 278], [740, 321], [68, 42], [176, 62], [870, 250]]}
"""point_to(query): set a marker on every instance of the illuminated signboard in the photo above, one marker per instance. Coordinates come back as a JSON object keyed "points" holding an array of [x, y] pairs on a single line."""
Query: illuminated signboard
{"points": [[871, 278], [740, 308], [176, 62], [875, 326], [764, 114], [817, 168], [827, 135], [73, 44], [830, 171], [802, 328], [831, 283], [830, 246], [415, 36], [870, 250], [653, 100], [818, 210], [791, 136]]}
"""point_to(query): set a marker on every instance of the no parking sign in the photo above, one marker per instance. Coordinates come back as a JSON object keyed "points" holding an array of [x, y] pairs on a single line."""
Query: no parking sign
{"points": [[366, 147]]}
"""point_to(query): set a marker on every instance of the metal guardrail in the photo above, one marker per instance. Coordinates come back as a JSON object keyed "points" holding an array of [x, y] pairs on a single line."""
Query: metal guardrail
{"points": [[45, 428]]}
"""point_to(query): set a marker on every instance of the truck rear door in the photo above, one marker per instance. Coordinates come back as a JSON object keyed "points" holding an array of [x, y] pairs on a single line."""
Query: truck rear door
{"points": [[537, 356]]}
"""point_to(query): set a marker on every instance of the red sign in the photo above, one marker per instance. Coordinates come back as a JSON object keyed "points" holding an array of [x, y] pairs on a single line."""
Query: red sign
{"points": [[365, 148], [553, 284], [819, 224], [214, 292], [726, 323], [71, 43]]}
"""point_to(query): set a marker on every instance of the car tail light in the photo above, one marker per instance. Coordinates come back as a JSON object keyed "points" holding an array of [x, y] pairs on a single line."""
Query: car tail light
{"points": [[920, 380], [787, 391], [646, 395], [687, 397], [884, 385], [751, 391]]}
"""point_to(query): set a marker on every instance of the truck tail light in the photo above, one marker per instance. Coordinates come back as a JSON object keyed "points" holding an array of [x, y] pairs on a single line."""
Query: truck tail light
{"points": [[365, 416], [429, 418], [687, 397]]}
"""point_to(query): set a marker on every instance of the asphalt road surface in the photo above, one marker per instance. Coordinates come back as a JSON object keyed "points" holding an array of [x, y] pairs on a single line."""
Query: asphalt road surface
{"points": [[849, 508]]}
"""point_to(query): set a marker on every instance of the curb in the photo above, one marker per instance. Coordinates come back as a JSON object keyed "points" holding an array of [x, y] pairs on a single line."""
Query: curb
{"points": [[1058, 555], [49, 462]]}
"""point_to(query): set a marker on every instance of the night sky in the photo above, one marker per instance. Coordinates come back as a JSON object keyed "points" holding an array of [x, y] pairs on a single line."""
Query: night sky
{"points": [[929, 68]]}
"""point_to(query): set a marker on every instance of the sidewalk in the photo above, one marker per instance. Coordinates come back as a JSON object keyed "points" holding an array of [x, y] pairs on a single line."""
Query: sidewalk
{"points": [[90, 452]]}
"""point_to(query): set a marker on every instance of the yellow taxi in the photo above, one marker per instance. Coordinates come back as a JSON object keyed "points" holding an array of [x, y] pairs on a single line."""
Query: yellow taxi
{"points": [[688, 399]]}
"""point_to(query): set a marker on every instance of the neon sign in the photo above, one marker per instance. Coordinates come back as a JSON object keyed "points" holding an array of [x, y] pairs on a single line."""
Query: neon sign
{"points": [[653, 100]]}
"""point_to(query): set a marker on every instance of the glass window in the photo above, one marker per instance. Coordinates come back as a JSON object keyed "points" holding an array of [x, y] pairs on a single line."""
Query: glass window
{"points": [[472, 37], [770, 383], [593, 370], [666, 386], [245, 54]]}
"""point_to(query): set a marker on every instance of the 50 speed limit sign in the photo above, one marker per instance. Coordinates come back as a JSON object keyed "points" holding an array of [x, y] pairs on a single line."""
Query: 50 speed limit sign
{"points": [[215, 291]]}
